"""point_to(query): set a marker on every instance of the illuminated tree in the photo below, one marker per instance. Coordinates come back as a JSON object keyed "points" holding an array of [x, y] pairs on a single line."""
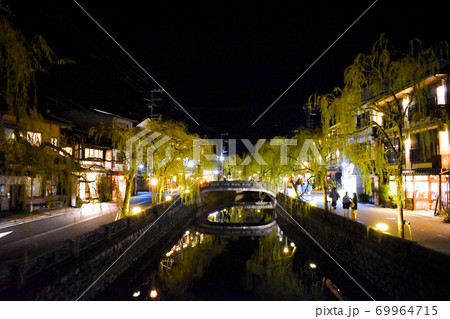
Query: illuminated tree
{"points": [[320, 148], [117, 137], [384, 99], [179, 162]]}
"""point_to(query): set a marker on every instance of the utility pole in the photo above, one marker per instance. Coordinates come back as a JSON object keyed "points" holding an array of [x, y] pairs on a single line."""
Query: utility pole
{"points": [[152, 101]]}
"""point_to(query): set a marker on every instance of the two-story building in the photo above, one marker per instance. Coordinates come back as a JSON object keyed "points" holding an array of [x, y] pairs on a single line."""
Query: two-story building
{"points": [[23, 184], [426, 150]]}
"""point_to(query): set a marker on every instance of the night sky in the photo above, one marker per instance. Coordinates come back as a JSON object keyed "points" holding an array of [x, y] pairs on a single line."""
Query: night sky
{"points": [[225, 62]]}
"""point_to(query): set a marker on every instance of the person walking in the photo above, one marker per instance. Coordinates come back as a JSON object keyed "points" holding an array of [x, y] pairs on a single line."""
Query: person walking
{"points": [[334, 195], [346, 204], [354, 206]]}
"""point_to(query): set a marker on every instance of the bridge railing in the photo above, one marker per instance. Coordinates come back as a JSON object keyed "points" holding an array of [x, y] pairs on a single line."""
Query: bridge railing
{"points": [[237, 184]]}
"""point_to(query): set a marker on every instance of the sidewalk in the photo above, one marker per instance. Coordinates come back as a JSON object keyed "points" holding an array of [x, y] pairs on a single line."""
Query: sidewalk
{"points": [[28, 235], [26, 217], [425, 228], [78, 213]]}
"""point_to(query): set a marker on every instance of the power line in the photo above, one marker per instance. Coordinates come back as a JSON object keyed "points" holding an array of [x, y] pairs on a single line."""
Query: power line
{"points": [[134, 60], [312, 64]]}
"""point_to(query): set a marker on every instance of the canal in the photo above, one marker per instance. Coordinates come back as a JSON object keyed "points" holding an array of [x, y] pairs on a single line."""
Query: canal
{"points": [[280, 264]]}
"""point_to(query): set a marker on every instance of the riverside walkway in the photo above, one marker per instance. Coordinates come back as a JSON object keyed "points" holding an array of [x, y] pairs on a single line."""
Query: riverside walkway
{"points": [[428, 230]]}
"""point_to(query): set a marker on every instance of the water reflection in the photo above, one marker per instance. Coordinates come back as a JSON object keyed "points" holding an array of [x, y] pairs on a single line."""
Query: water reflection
{"points": [[240, 214], [211, 267]]}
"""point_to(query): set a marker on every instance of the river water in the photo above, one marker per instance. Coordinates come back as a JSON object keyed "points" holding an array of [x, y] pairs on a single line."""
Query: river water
{"points": [[200, 266]]}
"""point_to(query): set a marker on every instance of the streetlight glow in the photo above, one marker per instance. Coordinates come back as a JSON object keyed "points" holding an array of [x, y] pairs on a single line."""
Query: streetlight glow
{"points": [[382, 227], [136, 210], [153, 181]]}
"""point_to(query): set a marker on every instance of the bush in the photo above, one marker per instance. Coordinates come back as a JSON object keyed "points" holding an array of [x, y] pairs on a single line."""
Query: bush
{"points": [[104, 189]]}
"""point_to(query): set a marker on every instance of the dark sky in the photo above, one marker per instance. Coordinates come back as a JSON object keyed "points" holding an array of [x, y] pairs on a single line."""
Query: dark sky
{"points": [[225, 62]]}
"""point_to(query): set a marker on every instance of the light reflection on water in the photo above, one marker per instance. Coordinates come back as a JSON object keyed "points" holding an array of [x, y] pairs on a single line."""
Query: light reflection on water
{"points": [[210, 267], [238, 214]]}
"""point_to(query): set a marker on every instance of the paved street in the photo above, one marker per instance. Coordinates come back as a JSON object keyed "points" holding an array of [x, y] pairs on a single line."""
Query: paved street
{"points": [[19, 237], [427, 229]]}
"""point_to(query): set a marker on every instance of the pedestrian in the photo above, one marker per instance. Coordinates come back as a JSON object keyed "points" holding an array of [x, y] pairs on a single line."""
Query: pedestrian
{"points": [[346, 204], [354, 206], [334, 195]]}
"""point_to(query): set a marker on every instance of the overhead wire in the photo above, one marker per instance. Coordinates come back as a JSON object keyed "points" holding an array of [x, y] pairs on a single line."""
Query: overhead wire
{"points": [[137, 63]]}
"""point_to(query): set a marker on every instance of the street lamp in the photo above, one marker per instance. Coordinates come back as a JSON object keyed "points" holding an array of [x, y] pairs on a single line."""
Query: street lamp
{"points": [[285, 180], [136, 210], [153, 183], [382, 227], [153, 293]]}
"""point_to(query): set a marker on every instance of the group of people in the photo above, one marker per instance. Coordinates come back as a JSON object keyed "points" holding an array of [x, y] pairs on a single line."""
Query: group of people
{"points": [[347, 203]]}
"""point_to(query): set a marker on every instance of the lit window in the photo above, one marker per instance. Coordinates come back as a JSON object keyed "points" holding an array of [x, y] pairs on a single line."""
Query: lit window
{"points": [[441, 92], [67, 149], [444, 145], [34, 138], [54, 141], [93, 153], [377, 117]]}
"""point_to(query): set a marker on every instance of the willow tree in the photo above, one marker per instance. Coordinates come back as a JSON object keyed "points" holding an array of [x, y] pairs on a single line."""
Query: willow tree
{"points": [[269, 162], [177, 161], [21, 60], [118, 137], [316, 151], [383, 100], [232, 167]]}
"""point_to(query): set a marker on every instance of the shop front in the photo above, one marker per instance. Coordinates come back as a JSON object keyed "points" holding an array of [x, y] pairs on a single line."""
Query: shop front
{"points": [[422, 190]]}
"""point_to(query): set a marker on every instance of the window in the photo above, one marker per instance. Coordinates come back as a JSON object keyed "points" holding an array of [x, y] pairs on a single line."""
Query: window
{"points": [[441, 94], [68, 149], [93, 153], [421, 150], [54, 141], [34, 138], [363, 120], [108, 159]]}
